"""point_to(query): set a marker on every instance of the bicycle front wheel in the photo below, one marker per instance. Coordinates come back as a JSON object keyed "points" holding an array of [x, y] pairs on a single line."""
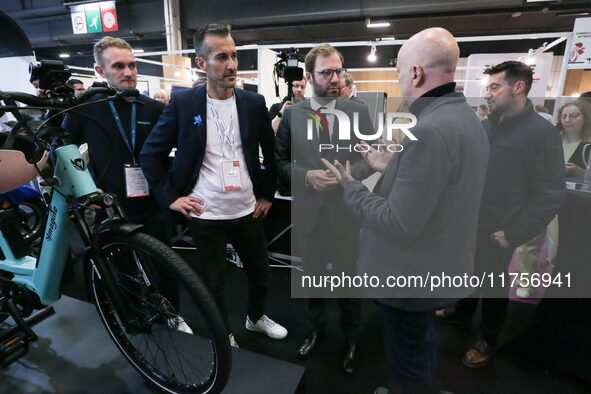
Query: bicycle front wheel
{"points": [[171, 332]]}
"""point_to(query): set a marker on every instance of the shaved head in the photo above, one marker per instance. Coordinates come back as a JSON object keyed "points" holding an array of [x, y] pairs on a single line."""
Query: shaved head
{"points": [[432, 48], [429, 58]]}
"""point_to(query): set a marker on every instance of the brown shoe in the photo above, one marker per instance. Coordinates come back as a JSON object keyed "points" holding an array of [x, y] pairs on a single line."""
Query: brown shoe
{"points": [[479, 354]]}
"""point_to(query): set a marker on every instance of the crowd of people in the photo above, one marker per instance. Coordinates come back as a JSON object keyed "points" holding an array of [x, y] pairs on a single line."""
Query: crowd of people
{"points": [[443, 203]]}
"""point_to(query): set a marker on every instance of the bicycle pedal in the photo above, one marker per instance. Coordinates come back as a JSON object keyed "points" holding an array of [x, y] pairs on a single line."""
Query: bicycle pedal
{"points": [[13, 349]]}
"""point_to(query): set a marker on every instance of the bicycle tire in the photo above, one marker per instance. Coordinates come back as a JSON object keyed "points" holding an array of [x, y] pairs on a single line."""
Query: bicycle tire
{"points": [[152, 307]]}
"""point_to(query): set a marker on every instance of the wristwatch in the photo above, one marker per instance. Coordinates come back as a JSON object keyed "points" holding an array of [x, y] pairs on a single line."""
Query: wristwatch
{"points": [[279, 114]]}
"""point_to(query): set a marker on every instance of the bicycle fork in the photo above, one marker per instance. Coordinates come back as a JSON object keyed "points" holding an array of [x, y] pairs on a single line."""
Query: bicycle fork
{"points": [[103, 272]]}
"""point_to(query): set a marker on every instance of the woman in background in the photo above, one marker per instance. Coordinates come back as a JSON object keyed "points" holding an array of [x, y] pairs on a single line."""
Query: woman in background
{"points": [[574, 122], [161, 96]]}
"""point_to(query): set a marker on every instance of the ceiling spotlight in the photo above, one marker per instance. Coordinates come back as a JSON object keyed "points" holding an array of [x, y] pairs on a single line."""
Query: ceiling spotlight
{"points": [[372, 54], [529, 59], [371, 24], [64, 55], [570, 14]]}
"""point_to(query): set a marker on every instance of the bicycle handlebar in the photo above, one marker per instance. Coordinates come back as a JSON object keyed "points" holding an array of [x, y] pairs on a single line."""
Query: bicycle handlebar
{"points": [[67, 102]]}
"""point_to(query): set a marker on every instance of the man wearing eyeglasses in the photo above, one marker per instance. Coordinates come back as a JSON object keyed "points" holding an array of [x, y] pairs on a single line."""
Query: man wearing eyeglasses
{"points": [[326, 231], [524, 190]]}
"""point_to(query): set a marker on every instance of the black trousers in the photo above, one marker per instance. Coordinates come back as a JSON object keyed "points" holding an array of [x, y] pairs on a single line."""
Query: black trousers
{"points": [[247, 236], [410, 347], [319, 248], [490, 258]]}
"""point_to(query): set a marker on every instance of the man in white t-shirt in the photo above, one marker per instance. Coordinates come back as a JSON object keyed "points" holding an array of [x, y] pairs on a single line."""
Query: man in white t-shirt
{"points": [[217, 180]]}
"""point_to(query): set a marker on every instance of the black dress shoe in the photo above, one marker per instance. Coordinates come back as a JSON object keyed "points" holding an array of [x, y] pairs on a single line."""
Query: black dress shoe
{"points": [[309, 343], [350, 359]]}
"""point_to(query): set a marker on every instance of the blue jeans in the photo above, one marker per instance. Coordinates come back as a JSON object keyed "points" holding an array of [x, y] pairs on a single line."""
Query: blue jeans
{"points": [[410, 347]]}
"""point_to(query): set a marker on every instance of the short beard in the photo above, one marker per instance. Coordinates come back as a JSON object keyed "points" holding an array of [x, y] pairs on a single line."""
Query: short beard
{"points": [[323, 92]]}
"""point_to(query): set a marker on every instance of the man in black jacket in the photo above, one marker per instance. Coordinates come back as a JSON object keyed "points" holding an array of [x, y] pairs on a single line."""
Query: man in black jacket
{"points": [[524, 190], [115, 139], [216, 180]]}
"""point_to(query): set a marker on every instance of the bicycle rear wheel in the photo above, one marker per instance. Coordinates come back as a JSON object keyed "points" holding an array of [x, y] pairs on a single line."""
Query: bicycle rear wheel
{"points": [[176, 338]]}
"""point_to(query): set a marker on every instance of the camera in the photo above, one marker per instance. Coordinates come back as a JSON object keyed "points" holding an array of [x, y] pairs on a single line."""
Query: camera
{"points": [[50, 73], [287, 68]]}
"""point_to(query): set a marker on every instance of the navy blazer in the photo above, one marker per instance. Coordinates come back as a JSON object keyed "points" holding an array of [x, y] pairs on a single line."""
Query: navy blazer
{"points": [[183, 124]]}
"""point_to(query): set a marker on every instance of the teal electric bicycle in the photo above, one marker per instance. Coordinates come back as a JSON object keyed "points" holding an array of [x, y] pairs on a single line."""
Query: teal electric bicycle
{"points": [[153, 305]]}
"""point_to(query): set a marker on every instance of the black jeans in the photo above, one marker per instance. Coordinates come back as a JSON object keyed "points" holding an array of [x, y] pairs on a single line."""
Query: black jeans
{"points": [[247, 235], [410, 347], [490, 258]]}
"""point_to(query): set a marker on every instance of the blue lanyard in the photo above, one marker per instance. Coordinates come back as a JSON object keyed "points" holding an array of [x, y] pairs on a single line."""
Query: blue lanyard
{"points": [[122, 130]]}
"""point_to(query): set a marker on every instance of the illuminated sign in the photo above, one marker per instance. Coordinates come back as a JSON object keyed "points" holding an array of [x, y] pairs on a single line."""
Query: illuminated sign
{"points": [[94, 17]]}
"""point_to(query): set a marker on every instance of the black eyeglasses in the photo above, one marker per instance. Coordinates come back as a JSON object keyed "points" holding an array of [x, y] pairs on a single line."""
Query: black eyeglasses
{"points": [[328, 73]]}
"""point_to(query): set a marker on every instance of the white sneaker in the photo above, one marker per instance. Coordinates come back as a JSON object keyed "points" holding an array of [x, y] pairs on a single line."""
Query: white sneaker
{"points": [[524, 292], [233, 342], [178, 323], [267, 326]]}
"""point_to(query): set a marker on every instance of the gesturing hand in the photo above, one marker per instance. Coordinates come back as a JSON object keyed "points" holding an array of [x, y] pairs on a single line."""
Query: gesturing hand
{"points": [[343, 174], [376, 159], [321, 179], [187, 205]]}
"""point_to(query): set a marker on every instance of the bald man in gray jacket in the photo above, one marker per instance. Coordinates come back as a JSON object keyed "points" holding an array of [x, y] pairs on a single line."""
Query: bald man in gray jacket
{"points": [[420, 220]]}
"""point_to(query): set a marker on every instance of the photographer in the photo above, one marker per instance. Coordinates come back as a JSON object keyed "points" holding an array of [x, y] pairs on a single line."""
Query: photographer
{"points": [[276, 111]]}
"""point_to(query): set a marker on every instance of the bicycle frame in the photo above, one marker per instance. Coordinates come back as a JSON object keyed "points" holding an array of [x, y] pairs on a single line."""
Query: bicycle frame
{"points": [[43, 275]]}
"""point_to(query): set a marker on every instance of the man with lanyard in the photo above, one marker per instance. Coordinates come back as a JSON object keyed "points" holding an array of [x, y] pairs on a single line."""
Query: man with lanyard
{"points": [[117, 136], [217, 181]]}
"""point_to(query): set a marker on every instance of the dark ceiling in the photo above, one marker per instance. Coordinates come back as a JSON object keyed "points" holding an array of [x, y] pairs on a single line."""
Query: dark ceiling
{"points": [[141, 22]]}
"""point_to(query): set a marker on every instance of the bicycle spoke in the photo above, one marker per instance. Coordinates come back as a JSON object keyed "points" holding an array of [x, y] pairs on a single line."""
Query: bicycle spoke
{"points": [[167, 335]]}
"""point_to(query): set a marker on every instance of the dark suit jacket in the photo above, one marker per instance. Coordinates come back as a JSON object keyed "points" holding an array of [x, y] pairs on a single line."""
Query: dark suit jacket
{"points": [[295, 155], [183, 125], [422, 217], [107, 150]]}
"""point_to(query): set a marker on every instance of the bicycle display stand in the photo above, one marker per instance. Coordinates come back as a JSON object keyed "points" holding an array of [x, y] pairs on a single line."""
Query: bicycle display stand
{"points": [[55, 365]]}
